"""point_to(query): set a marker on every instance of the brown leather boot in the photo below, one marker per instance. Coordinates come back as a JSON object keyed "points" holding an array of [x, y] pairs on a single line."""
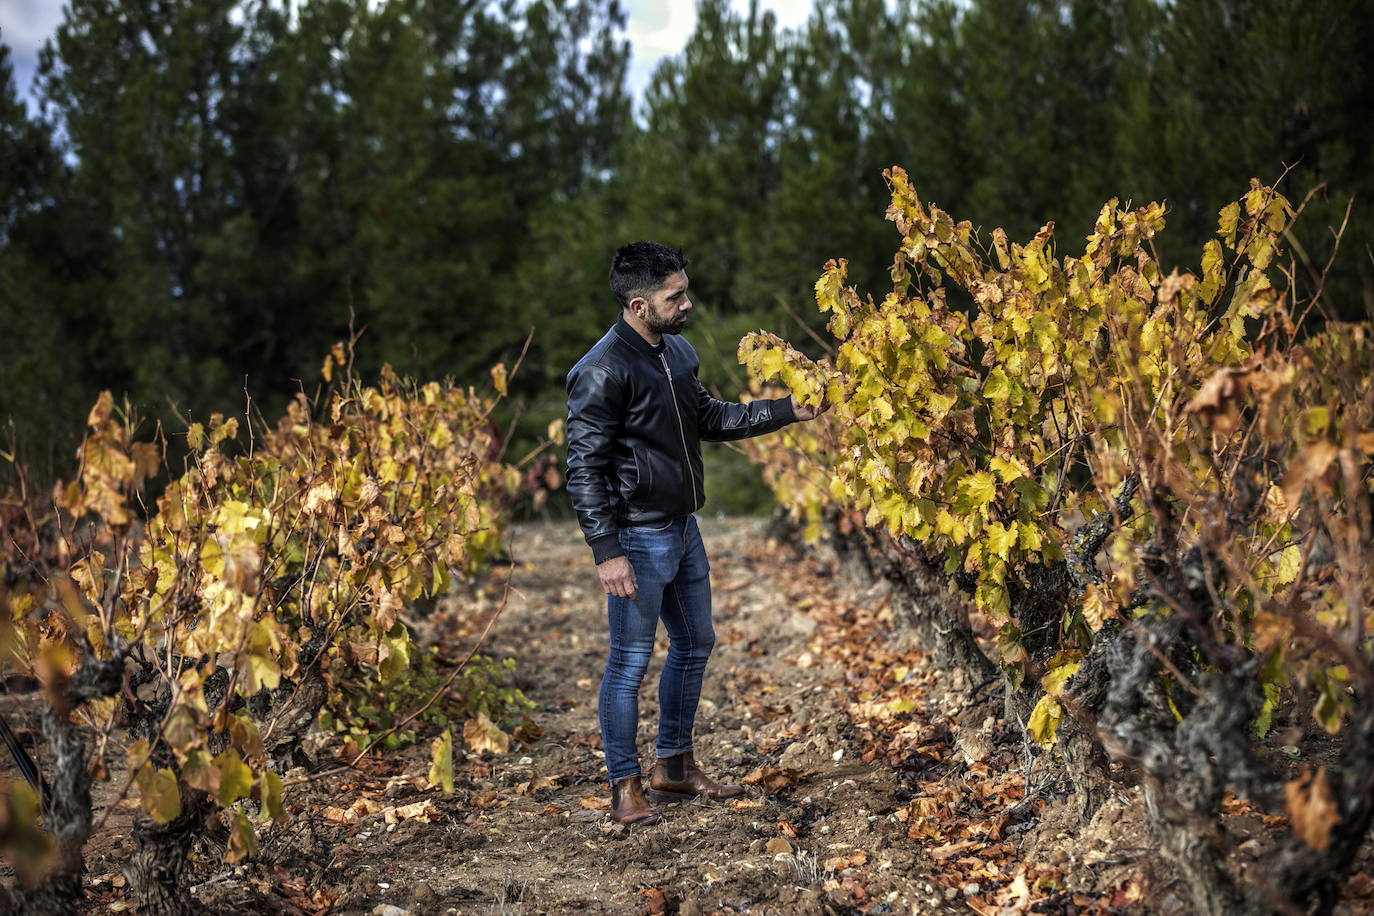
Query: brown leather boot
{"points": [[678, 778], [628, 804]]}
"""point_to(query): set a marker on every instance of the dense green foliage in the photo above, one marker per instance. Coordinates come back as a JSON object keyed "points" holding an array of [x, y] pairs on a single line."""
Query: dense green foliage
{"points": [[212, 188]]}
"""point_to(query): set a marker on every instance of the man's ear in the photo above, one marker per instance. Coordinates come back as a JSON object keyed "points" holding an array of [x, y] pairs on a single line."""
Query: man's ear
{"points": [[637, 306]]}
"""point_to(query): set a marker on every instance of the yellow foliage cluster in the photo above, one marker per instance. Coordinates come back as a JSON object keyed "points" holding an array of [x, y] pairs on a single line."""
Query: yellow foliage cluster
{"points": [[999, 395], [313, 532]]}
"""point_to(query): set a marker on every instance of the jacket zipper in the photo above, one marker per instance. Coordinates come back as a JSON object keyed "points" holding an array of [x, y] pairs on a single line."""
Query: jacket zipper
{"points": [[682, 435]]}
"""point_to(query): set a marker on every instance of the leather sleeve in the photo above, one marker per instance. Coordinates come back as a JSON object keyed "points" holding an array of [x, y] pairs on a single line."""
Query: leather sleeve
{"points": [[720, 421], [596, 400]]}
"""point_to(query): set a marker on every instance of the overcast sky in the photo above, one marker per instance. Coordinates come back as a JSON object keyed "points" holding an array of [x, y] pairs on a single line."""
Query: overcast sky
{"points": [[654, 27]]}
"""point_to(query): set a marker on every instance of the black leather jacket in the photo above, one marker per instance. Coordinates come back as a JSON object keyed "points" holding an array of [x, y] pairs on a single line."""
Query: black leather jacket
{"points": [[636, 419]]}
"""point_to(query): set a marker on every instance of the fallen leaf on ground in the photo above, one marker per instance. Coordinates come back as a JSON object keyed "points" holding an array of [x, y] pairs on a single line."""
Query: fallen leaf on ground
{"points": [[773, 779], [535, 784], [482, 734], [350, 815], [595, 803], [950, 850], [853, 860], [423, 811]]}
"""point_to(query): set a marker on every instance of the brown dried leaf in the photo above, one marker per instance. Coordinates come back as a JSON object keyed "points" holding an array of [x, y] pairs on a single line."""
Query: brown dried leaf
{"points": [[658, 899], [773, 779], [1311, 808], [950, 850], [1309, 466], [853, 860], [481, 734], [535, 784]]}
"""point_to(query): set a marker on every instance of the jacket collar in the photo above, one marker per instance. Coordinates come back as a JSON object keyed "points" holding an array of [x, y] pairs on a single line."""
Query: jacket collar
{"points": [[633, 338]]}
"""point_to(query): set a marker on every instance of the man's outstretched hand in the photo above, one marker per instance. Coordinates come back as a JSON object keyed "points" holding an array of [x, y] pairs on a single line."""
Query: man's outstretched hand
{"points": [[806, 412], [618, 577]]}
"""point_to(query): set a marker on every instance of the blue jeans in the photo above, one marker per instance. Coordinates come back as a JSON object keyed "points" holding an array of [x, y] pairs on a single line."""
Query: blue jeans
{"points": [[672, 577]]}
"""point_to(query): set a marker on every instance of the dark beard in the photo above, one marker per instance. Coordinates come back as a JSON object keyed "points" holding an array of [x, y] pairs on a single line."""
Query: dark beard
{"points": [[671, 326]]}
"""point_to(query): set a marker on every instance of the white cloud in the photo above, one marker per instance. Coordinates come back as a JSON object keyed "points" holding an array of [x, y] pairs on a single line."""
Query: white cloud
{"points": [[24, 26], [658, 28]]}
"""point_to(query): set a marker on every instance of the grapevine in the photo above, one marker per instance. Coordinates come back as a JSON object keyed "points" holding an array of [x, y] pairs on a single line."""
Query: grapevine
{"points": [[267, 576], [1155, 484]]}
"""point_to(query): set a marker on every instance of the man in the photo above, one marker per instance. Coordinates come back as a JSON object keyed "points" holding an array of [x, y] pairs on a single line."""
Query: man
{"points": [[636, 416]]}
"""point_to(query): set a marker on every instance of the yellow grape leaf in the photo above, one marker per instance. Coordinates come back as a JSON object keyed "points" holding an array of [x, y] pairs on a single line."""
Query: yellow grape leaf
{"points": [[1314, 420], [976, 491], [269, 797], [198, 772], [498, 378], [998, 386], [441, 762], [397, 658], [1044, 720], [221, 431], [244, 734], [262, 671], [101, 410], [160, 795], [1009, 468], [235, 778], [1227, 223], [1056, 678], [243, 840], [1290, 563], [1001, 540]]}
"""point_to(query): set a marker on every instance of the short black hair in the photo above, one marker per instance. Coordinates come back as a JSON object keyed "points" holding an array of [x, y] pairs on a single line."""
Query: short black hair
{"points": [[640, 268]]}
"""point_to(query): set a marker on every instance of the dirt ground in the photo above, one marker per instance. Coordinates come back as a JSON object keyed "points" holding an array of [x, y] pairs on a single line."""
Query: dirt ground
{"points": [[863, 797]]}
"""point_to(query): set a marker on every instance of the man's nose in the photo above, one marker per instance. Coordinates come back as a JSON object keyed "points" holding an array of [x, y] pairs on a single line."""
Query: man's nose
{"points": [[686, 304]]}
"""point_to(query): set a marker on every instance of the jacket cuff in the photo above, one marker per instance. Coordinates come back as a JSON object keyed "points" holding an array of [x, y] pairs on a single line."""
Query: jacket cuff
{"points": [[784, 411], [605, 547]]}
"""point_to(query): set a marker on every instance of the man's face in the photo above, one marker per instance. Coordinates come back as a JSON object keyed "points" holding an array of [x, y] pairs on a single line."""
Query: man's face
{"points": [[665, 310]]}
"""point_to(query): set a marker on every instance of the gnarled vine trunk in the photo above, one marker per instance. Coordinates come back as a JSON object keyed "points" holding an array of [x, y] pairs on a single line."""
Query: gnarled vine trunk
{"points": [[1191, 743], [67, 817], [924, 603], [156, 868]]}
